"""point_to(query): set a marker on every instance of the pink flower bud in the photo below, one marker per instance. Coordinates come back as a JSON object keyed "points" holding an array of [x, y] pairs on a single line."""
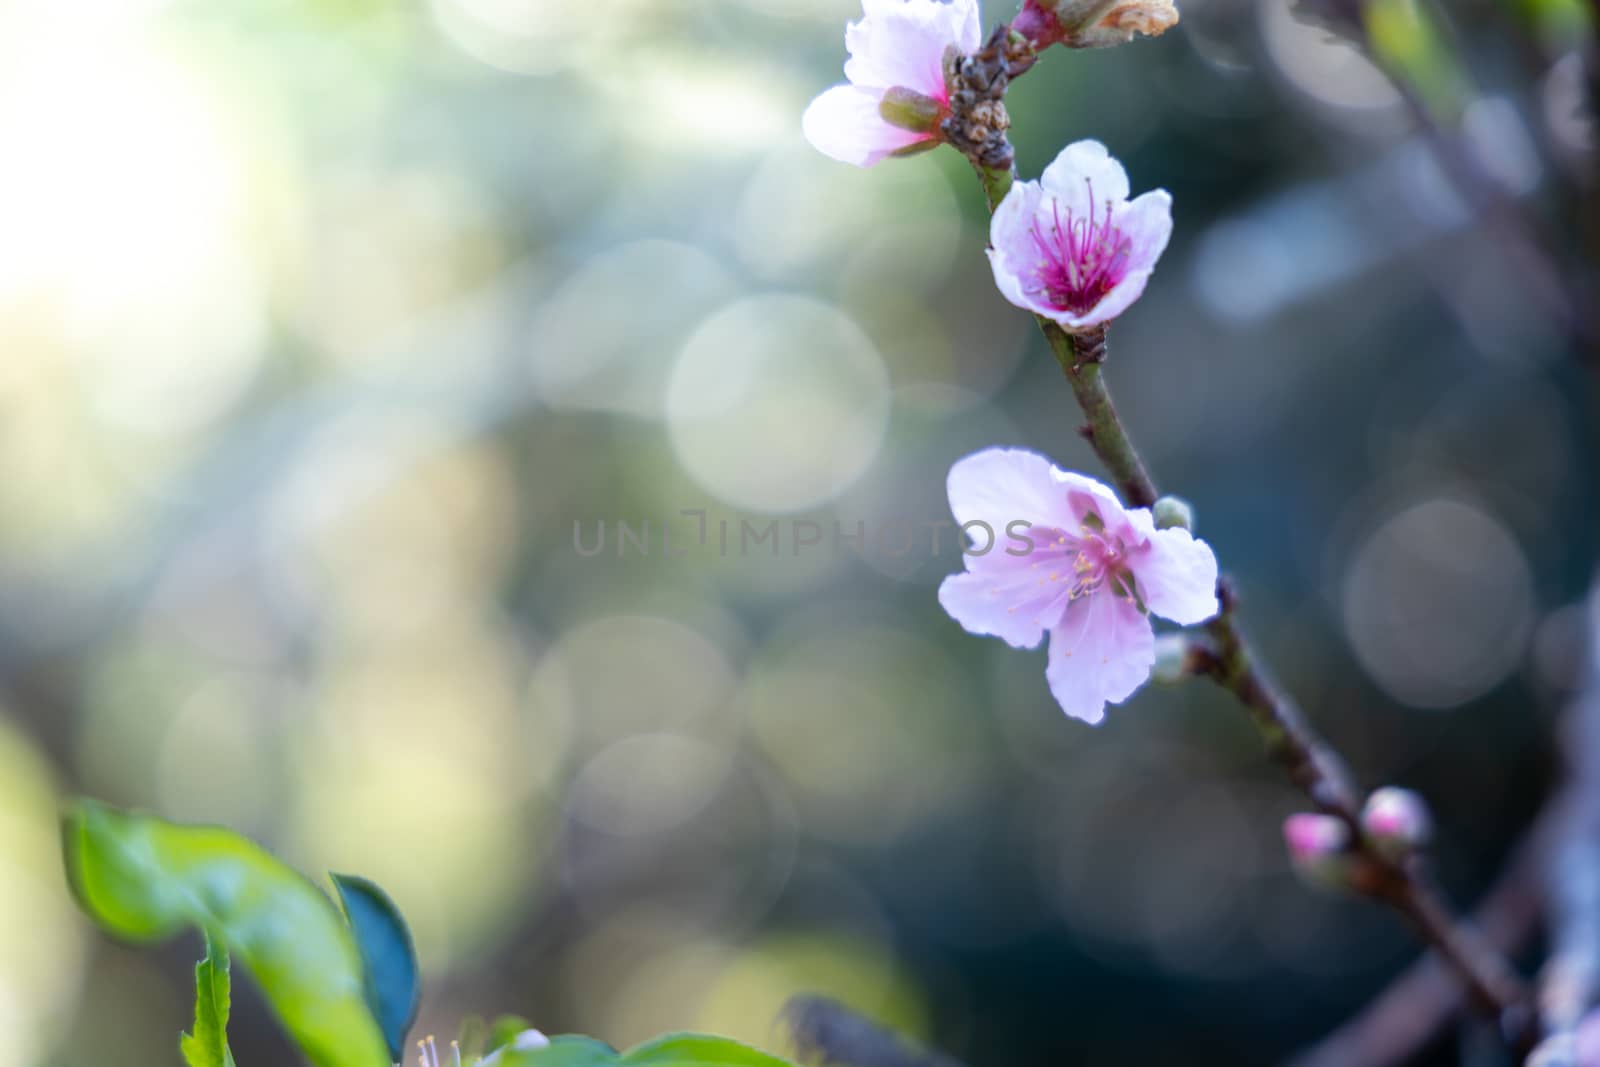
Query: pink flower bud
{"points": [[1396, 821], [1319, 848], [1092, 23]]}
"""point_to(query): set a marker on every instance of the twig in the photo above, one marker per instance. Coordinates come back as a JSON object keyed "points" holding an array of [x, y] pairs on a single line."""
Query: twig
{"points": [[1311, 764], [977, 127], [1417, 1004]]}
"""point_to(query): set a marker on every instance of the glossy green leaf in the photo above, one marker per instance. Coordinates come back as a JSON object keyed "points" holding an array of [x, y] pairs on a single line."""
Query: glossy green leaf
{"points": [[392, 980], [144, 879], [207, 1045], [671, 1050]]}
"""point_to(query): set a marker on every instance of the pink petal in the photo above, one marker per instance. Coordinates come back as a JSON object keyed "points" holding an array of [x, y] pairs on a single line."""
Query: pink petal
{"points": [[1176, 573], [1100, 653], [999, 597], [1080, 167], [902, 43], [1114, 303], [844, 123], [1002, 485], [1085, 497]]}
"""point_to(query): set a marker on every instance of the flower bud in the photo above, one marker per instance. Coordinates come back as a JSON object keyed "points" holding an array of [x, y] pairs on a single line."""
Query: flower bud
{"points": [[1319, 849], [1396, 821], [1173, 511], [1172, 664], [1092, 23], [908, 109], [1125, 21]]}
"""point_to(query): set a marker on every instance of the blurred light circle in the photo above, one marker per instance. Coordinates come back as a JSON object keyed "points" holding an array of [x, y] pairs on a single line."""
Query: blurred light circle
{"points": [[800, 207], [161, 306], [716, 856], [40, 941], [524, 36], [1438, 603], [777, 403], [1324, 66], [403, 772], [212, 767], [1561, 648], [632, 674], [585, 353], [647, 784], [873, 728]]}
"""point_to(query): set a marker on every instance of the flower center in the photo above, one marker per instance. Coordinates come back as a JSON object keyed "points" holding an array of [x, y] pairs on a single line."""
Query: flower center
{"points": [[1079, 566], [1083, 257]]}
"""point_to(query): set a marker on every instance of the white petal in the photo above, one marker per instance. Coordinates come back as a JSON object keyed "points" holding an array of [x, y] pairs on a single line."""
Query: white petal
{"points": [[1002, 485], [1176, 573], [902, 43], [1101, 653], [1114, 303], [968, 22], [1084, 169], [1147, 222], [1013, 253], [844, 123], [1085, 495]]}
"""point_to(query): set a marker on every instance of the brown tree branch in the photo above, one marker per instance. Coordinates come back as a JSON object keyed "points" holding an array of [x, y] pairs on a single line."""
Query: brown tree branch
{"points": [[1417, 1004]]}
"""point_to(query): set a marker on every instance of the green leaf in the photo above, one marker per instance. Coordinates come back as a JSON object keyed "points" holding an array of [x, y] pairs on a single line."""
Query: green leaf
{"points": [[671, 1050], [390, 958], [143, 879], [208, 1045]]}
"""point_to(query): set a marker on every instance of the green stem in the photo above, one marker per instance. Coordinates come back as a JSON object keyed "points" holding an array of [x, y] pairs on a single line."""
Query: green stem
{"points": [[996, 182]]}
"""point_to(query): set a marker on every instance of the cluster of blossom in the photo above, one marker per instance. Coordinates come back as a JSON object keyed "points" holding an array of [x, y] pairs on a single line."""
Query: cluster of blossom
{"points": [[1071, 248]]}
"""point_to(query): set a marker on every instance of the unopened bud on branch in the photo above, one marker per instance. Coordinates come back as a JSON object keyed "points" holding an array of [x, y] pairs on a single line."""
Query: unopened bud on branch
{"points": [[1171, 511], [1396, 821], [1092, 23], [1173, 663], [1319, 849]]}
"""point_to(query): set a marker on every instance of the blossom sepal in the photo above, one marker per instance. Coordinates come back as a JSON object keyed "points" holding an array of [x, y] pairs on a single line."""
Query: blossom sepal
{"points": [[908, 109]]}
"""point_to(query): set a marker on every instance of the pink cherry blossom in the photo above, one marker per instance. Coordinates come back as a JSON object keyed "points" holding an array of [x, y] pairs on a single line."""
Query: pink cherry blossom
{"points": [[1072, 247], [899, 45], [1066, 558]]}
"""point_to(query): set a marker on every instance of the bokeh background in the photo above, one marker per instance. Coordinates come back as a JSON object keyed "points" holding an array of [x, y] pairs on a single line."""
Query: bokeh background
{"points": [[324, 322]]}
